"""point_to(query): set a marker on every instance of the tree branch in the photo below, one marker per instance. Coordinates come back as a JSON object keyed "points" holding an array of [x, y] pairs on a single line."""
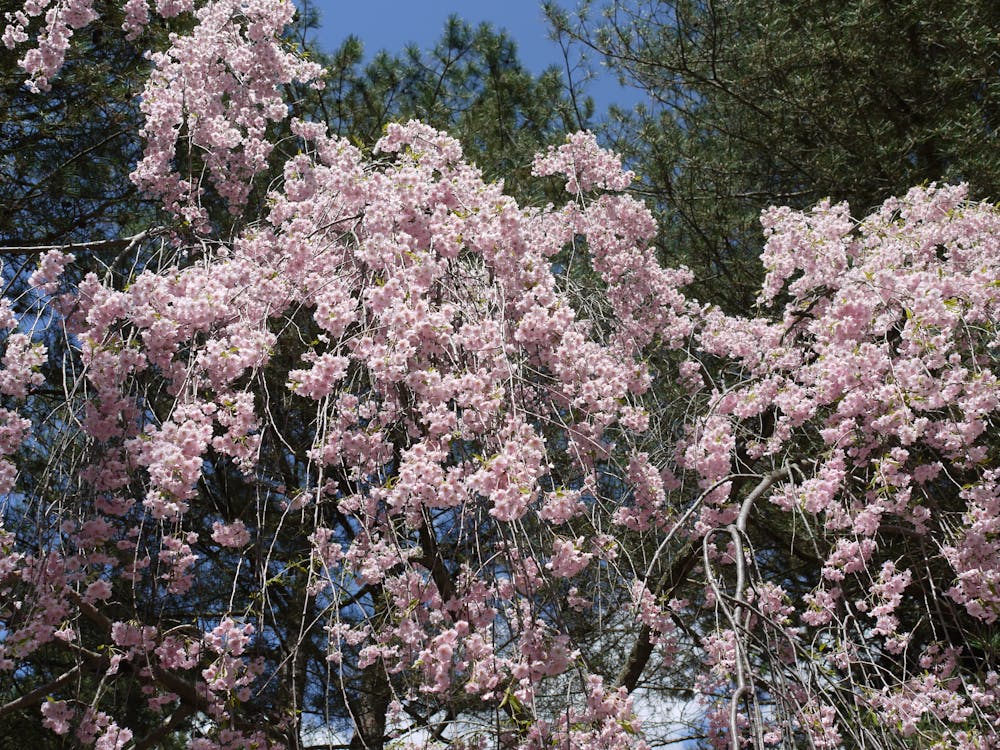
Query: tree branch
{"points": [[642, 649], [39, 694], [123, 243]]}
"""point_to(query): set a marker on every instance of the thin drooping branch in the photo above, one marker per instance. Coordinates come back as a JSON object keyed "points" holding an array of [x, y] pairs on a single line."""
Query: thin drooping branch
{"points": [[642, 649], [738, 616]]}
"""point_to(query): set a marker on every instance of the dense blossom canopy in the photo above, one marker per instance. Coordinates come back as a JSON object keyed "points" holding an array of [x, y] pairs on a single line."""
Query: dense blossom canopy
{"points": [[525, 447]]}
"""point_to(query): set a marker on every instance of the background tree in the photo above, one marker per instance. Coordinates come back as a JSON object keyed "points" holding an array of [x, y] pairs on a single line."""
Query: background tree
{"points": [[470, 83], [67, 155], [751, 104]]}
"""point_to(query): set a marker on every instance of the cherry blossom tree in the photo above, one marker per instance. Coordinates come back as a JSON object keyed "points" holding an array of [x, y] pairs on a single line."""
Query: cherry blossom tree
{"points": [[529, 495]]}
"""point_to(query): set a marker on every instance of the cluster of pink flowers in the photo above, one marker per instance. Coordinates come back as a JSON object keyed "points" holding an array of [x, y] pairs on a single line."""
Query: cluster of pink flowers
{"points": [[50, 268], [222, 84], [62, 18], [585, 165], [877, 374], [19, 373]]}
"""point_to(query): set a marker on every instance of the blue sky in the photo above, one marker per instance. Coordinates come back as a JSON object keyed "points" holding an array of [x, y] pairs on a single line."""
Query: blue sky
{"points": [[392, 24]]}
